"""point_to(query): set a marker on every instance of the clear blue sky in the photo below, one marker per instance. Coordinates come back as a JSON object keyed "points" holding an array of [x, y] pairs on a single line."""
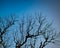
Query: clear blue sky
{"points": [[49, 8]]}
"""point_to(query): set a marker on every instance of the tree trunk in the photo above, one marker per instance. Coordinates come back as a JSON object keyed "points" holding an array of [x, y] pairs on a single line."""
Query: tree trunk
{"points": [[41, 46], [17, 46]]}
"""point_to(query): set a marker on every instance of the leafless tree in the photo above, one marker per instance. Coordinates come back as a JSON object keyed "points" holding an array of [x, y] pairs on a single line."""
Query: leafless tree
{"points": [[33, 28], [5, 24]]}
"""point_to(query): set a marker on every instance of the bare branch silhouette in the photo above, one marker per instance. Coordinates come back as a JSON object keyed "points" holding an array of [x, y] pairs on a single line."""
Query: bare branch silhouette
{"points": [[4, 27], [38, 26]]}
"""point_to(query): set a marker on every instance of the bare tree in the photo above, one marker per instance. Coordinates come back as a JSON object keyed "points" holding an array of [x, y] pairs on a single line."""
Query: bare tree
{"points": [[5, 24], [34, 27]]}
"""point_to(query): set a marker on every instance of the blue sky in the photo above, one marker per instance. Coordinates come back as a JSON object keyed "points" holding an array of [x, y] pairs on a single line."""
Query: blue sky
{"points": [[12, 7], [48, 8]]}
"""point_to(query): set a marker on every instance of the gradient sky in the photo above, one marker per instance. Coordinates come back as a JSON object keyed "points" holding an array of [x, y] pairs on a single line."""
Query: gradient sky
{"points": [[51, 9]]}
